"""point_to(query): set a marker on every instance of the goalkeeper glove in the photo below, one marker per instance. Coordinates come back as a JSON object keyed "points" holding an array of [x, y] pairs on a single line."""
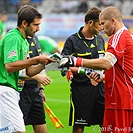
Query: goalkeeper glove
{"points": [[70, 61], [56, 56], [67, 72], [64, 71], [69, 75], [87, 71]]}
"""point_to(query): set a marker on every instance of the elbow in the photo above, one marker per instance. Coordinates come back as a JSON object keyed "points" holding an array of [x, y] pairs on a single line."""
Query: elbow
{"points": [[29, 74], [8, 68], [107, 66]]}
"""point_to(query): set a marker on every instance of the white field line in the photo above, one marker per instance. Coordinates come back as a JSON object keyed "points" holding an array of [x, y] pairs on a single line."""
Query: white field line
{"points": [[57, 100]]}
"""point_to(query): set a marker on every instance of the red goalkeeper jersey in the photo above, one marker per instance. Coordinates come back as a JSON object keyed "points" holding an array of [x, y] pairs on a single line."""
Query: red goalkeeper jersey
{"points": [[118, 84]]}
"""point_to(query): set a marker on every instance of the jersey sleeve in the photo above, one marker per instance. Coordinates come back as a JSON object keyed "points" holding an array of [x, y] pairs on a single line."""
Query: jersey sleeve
{"points": [[13, 49]]}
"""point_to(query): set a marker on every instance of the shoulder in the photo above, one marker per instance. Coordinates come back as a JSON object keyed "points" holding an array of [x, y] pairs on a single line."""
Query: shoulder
{"points": [[99, 36], [73, 37], [13, 36], [35, 37], [14, 33]]}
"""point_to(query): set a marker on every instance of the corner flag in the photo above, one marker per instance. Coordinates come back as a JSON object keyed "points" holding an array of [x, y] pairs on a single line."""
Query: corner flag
{"points": [[57, 123]]}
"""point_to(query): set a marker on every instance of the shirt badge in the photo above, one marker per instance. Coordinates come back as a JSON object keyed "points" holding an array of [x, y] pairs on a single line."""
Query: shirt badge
{"points": [[12, 53]]}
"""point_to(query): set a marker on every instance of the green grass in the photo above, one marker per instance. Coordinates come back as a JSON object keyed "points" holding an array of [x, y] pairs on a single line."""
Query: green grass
{"points": [[57, 97]]}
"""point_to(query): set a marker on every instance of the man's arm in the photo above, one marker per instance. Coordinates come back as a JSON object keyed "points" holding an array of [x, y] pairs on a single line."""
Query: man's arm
{"points": [[31, 70], [97, 64], [41, 78]]}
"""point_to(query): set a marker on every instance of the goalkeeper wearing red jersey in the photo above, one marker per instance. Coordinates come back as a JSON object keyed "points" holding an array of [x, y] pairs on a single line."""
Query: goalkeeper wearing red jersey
{"points": [[118, 66]]}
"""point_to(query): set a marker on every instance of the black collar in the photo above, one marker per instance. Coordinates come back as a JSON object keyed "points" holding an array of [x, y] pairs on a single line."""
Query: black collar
{"points": [[80, 35]]}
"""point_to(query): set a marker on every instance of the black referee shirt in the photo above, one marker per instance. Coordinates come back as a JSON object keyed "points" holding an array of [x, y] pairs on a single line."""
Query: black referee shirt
{"points": [[78, 46], [34, 50]]}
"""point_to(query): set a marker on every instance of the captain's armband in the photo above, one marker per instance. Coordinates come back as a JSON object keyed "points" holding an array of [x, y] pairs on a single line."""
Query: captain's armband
{"points": [[111, 58]]}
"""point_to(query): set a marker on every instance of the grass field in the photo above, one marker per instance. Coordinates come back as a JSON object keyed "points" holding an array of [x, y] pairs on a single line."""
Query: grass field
{"points": [[57, 94]]}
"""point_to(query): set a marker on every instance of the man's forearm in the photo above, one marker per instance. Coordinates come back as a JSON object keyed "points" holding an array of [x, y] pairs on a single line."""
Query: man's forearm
{"points": [[35, 69], [97, 64], [21, 64]]}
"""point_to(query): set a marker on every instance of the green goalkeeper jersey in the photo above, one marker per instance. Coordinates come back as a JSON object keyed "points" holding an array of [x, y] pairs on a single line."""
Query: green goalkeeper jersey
{"points": [[13, 47]]}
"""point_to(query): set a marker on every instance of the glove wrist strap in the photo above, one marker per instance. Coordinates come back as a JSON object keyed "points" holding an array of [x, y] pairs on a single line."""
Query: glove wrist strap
{"points": [[81, 70], [78, 62]]}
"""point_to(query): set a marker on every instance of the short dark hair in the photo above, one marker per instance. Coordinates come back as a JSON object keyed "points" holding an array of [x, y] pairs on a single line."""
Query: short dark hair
{"points": [[27, 13], [92, 14]]}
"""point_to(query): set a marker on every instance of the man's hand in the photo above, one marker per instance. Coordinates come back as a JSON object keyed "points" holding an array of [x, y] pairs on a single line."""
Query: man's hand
{"points": [[42, 79], [95, 76], [44, 59], [70, 61], [56, 56], [43, 95]]}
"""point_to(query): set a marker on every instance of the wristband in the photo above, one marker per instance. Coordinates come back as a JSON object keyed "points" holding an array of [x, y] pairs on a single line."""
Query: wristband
{"points": [[78, 62]]}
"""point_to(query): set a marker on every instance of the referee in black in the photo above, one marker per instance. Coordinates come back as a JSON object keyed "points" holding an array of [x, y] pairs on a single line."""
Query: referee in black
{"points": [[32, 95], [87, 100]]}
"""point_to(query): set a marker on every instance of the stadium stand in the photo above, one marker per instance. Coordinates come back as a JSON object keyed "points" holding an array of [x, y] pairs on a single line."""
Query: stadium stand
{"points": [[65, 6]]}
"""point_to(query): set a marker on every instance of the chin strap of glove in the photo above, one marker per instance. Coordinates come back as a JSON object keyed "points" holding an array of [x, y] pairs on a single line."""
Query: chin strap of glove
{"points": [[70, 61]]}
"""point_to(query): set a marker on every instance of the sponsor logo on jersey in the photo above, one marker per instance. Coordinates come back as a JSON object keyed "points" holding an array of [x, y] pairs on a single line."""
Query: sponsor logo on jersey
{"points": [[12, 53]]}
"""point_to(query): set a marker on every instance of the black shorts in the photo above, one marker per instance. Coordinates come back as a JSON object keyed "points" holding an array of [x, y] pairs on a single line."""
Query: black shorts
{"points": [[31, 105], [87, 105]]}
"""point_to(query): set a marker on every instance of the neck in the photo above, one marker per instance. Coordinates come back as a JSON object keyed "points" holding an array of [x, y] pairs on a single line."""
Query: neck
{"points": [[22, 32], [87, 33], [119, 26]]}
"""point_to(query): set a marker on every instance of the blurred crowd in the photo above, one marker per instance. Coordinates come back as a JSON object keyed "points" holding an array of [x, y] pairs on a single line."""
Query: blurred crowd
{"points": [[11, 6], [67, 6], [81, 6]]}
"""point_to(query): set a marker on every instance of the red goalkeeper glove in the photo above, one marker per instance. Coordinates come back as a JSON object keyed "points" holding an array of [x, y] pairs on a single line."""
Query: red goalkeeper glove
{"points": [[69, 75]]}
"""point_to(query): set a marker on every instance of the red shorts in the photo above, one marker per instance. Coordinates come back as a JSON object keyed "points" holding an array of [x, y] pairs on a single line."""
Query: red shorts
{"points": [[117, 121]]}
